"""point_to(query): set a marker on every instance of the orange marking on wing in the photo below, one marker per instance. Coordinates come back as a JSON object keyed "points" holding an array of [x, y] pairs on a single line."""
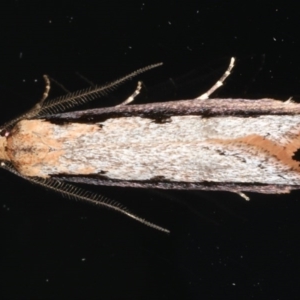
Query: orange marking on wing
{"points": [[283, 153]]}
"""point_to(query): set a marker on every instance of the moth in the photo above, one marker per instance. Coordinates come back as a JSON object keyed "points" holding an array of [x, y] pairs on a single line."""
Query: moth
{"points": [[236, 145]]}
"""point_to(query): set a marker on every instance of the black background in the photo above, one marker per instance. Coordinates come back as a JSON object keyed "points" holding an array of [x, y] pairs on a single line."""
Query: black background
{"points": [[220, 246]]}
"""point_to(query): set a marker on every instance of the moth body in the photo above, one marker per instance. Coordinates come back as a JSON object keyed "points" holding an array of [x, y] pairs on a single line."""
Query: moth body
{"points": [[232, 145], [185, 148]]}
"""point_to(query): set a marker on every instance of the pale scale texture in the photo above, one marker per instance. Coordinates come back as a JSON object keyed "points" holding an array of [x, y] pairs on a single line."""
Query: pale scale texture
{"points": [[185, 149]]}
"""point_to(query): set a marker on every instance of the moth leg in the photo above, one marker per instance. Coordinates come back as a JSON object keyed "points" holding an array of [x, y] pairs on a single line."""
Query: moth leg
{"points": [[133, 95], [46, 92], [219, 82], [32, 112], [243, 195], [47, 89], [290, 100], [37, 107]]}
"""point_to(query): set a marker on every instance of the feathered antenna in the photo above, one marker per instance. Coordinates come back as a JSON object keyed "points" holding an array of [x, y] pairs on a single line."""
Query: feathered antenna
{"points": [[58, 105], [70, 100], [73, 192]]}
